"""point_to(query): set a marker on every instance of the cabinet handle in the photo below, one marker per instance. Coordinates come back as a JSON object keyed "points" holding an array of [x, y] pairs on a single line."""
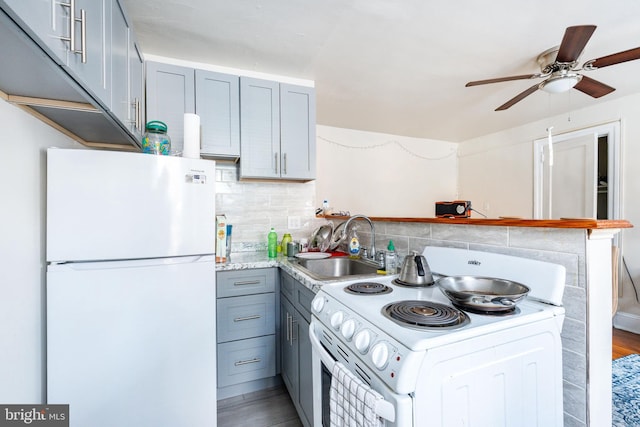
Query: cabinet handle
{"points": [[72, 30], [136, 112], [72, 25], [284, 164], [247, 282], [293, 337], [246, 362], [289, 318], [275, 157], [242, 319], [83, 36]]}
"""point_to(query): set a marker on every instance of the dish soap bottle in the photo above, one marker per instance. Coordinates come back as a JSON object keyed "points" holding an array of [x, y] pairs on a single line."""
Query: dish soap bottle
{"points": [[354, 244], [391, 259], [272, 242], [285, 242]]}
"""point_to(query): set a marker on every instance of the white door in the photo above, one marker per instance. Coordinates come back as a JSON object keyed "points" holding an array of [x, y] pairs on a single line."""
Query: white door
{"points": [[567, 178]]}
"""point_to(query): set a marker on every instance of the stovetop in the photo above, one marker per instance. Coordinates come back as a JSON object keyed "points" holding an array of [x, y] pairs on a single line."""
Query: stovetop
{"points": [[366, 310]]}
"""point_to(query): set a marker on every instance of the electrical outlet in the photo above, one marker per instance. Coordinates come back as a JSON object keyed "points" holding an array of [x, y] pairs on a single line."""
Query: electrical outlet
{"points": [[293, 222]]}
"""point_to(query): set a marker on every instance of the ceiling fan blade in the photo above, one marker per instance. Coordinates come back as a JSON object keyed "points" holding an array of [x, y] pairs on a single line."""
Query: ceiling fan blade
{"points": [[518, 98], [616, 58], [503, 79], [573, 42], [593, 87]]}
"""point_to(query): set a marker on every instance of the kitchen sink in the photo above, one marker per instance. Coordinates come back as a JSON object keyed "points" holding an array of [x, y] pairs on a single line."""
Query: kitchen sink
{"points": [[335, 267]]}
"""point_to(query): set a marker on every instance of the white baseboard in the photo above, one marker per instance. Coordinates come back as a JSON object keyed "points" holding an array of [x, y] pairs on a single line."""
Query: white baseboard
{"points": [[627, 322]]}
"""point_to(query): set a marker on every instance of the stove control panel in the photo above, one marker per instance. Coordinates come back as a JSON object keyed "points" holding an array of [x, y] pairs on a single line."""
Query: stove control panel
{"points": [[385, 357]]}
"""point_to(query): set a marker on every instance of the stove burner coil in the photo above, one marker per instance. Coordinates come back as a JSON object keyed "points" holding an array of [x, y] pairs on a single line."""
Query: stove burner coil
{"points": [[425, 315], [367, 288]]}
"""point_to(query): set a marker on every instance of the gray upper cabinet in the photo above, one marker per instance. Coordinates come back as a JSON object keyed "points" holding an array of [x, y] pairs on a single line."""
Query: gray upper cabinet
{"points": [[170, 94], [48, 21], [218, 105], [127, 71], [136, 120], [298, 131], [259, 128], [73, 67], [119, 63], [277, 129], [76, 32], [90, 60]]}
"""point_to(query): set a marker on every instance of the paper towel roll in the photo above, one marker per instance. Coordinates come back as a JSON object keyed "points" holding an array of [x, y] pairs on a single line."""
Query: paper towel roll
{"points": [[191, 148]]}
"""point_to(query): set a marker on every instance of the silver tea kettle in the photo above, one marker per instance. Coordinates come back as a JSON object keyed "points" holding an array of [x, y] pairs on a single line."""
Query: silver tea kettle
{"points": [[415, 271]]}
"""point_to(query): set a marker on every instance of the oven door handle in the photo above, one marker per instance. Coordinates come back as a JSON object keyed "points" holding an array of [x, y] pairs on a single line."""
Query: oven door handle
{"points": [[384, 409], [327, 359]]}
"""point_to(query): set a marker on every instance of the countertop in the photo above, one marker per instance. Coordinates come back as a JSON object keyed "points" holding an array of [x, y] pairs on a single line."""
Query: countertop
{"points": [[583, 223], [250, 260]]}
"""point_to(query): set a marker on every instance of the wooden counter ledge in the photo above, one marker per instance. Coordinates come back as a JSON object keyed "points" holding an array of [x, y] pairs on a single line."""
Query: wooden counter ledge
{"points": [[583, 223]]}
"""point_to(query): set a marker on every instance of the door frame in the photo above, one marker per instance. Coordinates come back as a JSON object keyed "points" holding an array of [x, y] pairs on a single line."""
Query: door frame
{"points": [[612, 131]]}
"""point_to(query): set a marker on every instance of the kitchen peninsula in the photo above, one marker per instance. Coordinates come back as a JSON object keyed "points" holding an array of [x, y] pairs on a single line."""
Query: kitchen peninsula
{"points": [[582, 246]]}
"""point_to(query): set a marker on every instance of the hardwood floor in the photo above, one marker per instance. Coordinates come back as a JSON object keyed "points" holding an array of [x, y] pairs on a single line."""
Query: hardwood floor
{"points": [[265, 408], [624, 343]]}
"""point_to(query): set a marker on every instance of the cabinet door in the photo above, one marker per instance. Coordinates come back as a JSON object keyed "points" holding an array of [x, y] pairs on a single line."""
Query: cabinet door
{"points": [[289, 348], [297, 132], [305, 380], [218, 105], [46, 20], [119, 63], [90, 63], [170, 94], [135, 120], [259, 128]]}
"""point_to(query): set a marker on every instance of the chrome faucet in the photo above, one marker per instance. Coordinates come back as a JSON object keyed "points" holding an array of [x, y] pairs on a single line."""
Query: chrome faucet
{"points": [[372, 250]]}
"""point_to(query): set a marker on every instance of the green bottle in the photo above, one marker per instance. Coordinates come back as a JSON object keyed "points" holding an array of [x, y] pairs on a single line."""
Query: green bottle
{"points": [[272, 240]]}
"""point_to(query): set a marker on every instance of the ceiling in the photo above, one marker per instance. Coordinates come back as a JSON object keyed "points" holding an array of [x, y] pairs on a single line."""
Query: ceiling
{"points": [[399, 67]]}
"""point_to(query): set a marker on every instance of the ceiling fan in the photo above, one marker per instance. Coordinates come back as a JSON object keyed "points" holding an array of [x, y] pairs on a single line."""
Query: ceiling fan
{"points": [[559, 64]]}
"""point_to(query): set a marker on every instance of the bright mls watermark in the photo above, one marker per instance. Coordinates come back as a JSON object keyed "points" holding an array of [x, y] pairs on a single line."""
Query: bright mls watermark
{"points": [[34, 415]]}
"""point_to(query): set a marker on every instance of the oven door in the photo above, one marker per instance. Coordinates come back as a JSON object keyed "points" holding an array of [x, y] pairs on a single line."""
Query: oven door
{"points": [[395, 409]]}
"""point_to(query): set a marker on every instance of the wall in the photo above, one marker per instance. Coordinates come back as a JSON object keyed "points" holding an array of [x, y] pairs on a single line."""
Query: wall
{"points": [[253, 207], [496, 173], [383, 175], [22, 252]]}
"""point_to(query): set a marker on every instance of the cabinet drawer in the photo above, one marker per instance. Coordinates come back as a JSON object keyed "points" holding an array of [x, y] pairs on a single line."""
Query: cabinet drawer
{"points": [[246, 360], [246, 317], [245, 282], [288, 286], [304, 296]]}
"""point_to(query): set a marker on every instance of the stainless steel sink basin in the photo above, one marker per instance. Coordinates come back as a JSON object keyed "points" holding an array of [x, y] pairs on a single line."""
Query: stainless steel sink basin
{"points": [[335, 267]]}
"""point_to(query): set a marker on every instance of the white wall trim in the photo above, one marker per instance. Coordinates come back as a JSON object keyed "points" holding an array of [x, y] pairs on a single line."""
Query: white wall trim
{"points": [[627, 322]]}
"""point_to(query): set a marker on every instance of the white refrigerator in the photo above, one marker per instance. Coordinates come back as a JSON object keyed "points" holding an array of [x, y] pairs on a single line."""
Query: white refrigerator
{"points": [[130, 294]]}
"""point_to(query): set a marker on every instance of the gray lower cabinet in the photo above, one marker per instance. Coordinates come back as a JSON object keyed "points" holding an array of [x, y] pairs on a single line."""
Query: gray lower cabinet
{"points": [[295, 315], [277, 130], [246, 330]]}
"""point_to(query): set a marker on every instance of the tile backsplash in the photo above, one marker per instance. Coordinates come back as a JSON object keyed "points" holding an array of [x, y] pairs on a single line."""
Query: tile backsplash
{"points": [[253, 207]]}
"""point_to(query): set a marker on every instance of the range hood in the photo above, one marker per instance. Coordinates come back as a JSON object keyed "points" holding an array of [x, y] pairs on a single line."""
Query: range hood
{"points": [[34, 81]]}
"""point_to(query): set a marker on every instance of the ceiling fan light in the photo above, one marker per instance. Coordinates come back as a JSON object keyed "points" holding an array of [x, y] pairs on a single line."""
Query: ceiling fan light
{"points": [[561, 83]]}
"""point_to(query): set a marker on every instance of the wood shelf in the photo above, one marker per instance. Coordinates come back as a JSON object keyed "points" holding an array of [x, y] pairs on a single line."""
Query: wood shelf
{"points": [[579, 223]]}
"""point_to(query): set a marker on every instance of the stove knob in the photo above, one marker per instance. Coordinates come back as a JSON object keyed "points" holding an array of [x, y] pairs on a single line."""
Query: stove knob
{"points": [[380, 355], [336, 319], [363, 341], [318, 304], [348, 328]]}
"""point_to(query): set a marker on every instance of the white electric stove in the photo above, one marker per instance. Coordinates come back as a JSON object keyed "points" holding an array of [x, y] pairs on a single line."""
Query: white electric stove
{"points": [[462, 368]]}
